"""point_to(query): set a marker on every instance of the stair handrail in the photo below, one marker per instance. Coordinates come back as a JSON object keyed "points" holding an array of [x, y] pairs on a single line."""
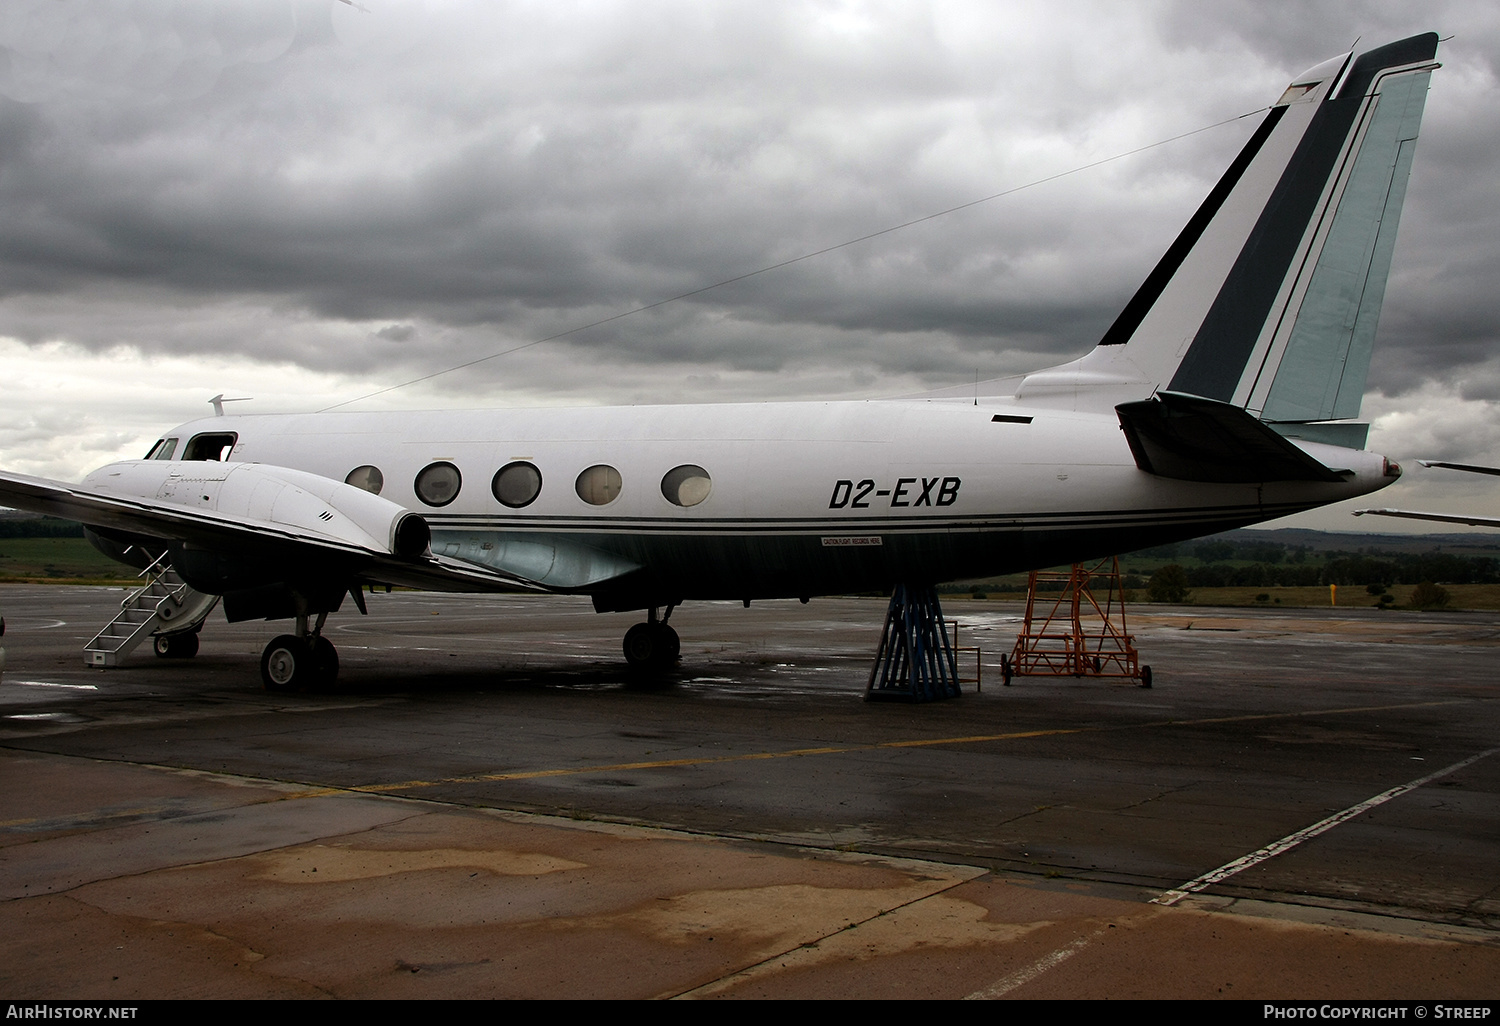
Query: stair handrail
{"points": [[155, 570]]}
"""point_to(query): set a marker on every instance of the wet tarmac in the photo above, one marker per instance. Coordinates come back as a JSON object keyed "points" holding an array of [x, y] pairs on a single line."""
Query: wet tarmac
{"points": [[1306, 805]]}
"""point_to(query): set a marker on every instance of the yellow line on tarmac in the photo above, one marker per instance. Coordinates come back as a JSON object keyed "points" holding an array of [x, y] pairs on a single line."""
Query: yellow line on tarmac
{"points": [[712, 759], [797, 753]]}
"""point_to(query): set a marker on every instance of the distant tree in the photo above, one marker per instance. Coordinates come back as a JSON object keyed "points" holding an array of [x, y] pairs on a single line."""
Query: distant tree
{"points": [[1347, 570], [1428, 596], [1263, 552], [1209, 575], [1214, 551], [24, 526], [1159, 551], [1256, 575], [1169, 584]]}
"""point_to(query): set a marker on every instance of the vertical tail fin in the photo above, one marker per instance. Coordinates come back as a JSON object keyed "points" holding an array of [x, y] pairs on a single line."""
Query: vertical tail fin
{"points": [[1318, 372], [1269, 298]]}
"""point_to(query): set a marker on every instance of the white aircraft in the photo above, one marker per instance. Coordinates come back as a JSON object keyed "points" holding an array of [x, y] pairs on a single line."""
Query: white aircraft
{"points": [[1223, 395]]}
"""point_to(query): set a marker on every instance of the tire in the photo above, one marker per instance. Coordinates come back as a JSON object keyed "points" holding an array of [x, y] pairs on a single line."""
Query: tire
{"points": [[285, 664], [325, 662], [175, 646], [671, 646], [1145, 676], [642, 646]]}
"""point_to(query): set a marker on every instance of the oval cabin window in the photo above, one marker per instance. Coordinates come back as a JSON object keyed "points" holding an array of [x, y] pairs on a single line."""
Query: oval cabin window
{"points": [[367, 477], [599, 485], [438, 484], [517, 484], [686, 485]]}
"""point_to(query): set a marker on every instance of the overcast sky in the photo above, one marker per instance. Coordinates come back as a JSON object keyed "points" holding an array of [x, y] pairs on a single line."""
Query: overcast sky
{"points": [[304, 202]]}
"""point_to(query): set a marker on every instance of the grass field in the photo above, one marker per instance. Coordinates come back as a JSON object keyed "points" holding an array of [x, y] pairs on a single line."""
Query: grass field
{"points": [[1460, 596], [75, 561], [65, 560]]}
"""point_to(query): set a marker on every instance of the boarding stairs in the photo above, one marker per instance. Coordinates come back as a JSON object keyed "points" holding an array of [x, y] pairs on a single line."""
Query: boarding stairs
{"points": [[163, 605]]}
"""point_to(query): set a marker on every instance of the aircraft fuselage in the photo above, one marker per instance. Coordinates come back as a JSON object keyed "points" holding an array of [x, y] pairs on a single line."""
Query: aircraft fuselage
{"points": [[800, 498]]}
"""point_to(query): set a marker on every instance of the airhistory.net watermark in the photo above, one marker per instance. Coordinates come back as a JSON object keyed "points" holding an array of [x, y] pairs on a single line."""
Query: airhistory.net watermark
{"points": [[52, 1010]]}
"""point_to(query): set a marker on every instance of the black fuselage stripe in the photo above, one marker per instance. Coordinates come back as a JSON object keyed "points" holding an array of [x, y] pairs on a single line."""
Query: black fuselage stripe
{"points": [[1000, 522]]}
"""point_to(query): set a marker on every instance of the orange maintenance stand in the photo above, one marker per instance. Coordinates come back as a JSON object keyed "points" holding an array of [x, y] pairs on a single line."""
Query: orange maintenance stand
{"points": [[1079, 636]]}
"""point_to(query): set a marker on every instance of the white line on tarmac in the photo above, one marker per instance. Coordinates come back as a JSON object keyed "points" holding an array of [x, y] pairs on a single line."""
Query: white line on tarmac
{"points": [[1050, 961], [1021, 977], [49, 684], [1290, 841]]}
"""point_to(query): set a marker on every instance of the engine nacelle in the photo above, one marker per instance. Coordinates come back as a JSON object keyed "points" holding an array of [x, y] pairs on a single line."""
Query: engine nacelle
{"points": [[278, 500]]}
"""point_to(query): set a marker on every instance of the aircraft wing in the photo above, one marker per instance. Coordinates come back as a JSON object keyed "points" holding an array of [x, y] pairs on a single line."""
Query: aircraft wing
{"points": [[1471, 468], [252, 513], [204, 527], [1446, 518], [442, 574]]}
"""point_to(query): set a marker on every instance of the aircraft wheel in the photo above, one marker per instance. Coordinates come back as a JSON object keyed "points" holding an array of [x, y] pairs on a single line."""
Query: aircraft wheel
{"points": [[325, 661], [285, 664], [671, 645], [1006, 671], [176, 646], [642, 646], [651, 646], [1145, 676]]}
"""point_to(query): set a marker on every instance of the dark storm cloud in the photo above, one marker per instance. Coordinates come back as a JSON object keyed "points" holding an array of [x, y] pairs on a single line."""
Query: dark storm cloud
{"points": [[445, 180]]}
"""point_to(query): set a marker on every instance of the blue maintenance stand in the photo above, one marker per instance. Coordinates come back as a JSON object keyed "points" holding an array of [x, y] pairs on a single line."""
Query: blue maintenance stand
{"points": [[915, 660]]}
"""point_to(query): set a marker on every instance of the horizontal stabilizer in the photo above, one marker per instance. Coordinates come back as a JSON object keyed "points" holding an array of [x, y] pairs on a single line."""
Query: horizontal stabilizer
{"points": [[1194, 439]]}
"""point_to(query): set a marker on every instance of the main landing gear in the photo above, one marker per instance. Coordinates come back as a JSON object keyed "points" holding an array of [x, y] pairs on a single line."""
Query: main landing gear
{"points": [[653, 645], [300, 662]]}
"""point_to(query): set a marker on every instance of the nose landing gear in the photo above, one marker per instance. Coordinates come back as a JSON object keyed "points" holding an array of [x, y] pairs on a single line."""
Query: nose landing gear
{"points": [[183, 645]]}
